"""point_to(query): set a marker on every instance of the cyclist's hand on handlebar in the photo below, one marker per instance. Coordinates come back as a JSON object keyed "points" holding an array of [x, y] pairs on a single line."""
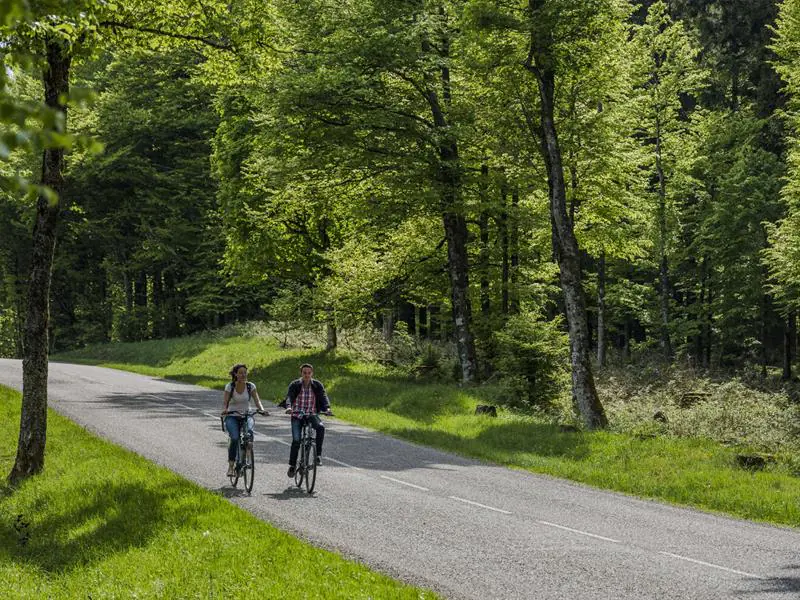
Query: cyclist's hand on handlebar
{"points": [[288, 411], [261, 411], [327, 413]]}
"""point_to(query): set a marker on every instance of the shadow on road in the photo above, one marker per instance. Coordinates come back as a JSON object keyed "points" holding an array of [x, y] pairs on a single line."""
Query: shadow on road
{"points": [[790, 582], [351, 445]]}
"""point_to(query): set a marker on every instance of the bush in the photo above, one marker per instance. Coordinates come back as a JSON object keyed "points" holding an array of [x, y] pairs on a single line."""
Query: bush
{"points": [[531, 361]]}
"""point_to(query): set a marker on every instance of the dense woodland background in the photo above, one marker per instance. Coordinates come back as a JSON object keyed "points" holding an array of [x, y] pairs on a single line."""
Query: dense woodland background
{"points": [[378, 163]]}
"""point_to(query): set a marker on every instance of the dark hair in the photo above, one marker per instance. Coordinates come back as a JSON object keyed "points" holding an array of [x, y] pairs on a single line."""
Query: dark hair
{"points": [[306, 366], [235, 369]]}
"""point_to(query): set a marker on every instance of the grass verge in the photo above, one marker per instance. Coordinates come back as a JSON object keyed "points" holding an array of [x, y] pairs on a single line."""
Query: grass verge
{"points": [[101, 522], [693, 472]]}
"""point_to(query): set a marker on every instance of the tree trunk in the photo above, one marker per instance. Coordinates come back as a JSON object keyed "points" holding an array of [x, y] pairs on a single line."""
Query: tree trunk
{"points": [[565, 245], [140, 305], [502, 226], [601, 310], [33, 422], [455, 225], [483, 223], [332, 332], [514, 242], [157, 311], [789, 335], [388, 324]]}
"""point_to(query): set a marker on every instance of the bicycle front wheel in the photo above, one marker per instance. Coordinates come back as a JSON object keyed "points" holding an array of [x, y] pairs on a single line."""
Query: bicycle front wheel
{"points": [[234, 477], [249, 467], [311, 466], [300, 471]]}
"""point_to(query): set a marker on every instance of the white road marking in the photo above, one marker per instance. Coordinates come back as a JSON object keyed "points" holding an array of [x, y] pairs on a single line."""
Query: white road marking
{"points": [[344, 464], [184, 406], [419, 487], [159, 398], [707, 564], [578, 531], [500, 510]]}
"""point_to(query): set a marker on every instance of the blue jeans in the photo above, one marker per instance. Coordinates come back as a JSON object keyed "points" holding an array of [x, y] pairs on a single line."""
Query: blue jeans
{"points": [[232, 424], [297, 426]]}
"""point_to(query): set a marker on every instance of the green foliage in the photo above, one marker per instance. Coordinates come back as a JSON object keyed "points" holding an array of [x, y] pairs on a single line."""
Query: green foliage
{"points": [[531, 359]]}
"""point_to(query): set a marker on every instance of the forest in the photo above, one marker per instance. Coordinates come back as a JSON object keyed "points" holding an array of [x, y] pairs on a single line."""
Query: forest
{"points": [[535, 188]]}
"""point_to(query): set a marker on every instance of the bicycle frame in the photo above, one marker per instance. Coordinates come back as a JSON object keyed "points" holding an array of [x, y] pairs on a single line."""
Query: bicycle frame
{"points": [[307, 460], [244, 465]]}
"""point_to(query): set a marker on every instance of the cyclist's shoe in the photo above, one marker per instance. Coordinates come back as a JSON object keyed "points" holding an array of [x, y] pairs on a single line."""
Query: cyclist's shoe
{"points": [[290, 472], [318, 460], [231, 471]]}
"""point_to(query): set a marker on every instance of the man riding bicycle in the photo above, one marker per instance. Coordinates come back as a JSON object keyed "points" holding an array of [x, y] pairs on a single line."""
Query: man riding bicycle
{"points": [[306, 399]]}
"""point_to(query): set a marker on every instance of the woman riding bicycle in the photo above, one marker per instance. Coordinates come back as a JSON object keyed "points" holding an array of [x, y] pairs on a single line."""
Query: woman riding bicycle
{"points": [[237, 397]]}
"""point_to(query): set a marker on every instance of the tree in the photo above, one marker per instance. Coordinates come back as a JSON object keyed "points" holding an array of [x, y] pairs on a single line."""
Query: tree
{"points": [[667, 71]]}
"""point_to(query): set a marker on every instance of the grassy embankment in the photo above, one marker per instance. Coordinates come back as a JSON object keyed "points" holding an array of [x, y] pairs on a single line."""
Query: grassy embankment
{"points": [[688, 471], [101, 522]]}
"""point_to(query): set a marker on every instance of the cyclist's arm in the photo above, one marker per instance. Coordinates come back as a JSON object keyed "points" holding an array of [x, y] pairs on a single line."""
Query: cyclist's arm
{"points": [[226, 398], [287, 402], [326, 402], [257, 400]]}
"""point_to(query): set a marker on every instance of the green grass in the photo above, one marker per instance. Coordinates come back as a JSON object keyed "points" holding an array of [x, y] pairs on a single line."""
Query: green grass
{"points": [[693, 472], [101, 522]]}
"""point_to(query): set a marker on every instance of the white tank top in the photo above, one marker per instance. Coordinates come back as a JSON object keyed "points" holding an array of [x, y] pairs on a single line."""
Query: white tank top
{"points": [[240, 402]]}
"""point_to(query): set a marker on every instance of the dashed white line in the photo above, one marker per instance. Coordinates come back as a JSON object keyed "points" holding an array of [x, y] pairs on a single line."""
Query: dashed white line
{"points": [[419, 487], [578, 531], [707, 564], [500, 510], [344, 464]]}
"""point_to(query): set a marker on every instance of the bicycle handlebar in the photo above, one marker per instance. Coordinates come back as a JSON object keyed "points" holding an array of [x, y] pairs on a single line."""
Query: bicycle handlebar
{"points": [[236, 413], [288, 411]]}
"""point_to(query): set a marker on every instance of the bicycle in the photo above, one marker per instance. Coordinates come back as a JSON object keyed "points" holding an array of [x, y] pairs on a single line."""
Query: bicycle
{"points": [[306, 469], [244, 466]]}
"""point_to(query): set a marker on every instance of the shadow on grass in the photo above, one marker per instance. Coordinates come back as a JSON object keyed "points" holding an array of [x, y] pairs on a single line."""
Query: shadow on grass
{"points": [[398, 394], [104, 518], [503, 440], [152, 353]]}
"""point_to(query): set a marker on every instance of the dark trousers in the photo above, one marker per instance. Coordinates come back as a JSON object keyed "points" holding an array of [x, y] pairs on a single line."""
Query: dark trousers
{"points": [[297, 424]]}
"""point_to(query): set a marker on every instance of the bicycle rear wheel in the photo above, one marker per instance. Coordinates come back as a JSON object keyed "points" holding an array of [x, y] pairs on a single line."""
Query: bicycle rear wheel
{"points": [[248, 467], [311, 466]]}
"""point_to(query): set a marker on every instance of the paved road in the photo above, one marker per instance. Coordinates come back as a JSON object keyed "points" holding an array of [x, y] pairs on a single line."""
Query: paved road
{"points": [[463, 528]]}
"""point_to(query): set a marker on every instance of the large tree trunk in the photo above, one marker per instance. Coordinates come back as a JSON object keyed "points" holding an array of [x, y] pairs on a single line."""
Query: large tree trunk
{"points": [[455, 224], [565, 245], [33, 422]]}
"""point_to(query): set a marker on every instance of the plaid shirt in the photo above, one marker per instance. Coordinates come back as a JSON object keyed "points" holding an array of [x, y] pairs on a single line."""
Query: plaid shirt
{"points": [[305, 402]]}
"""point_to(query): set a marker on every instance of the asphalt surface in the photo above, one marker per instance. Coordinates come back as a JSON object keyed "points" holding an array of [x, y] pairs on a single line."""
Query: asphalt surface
{"points": [[463, 528]]}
